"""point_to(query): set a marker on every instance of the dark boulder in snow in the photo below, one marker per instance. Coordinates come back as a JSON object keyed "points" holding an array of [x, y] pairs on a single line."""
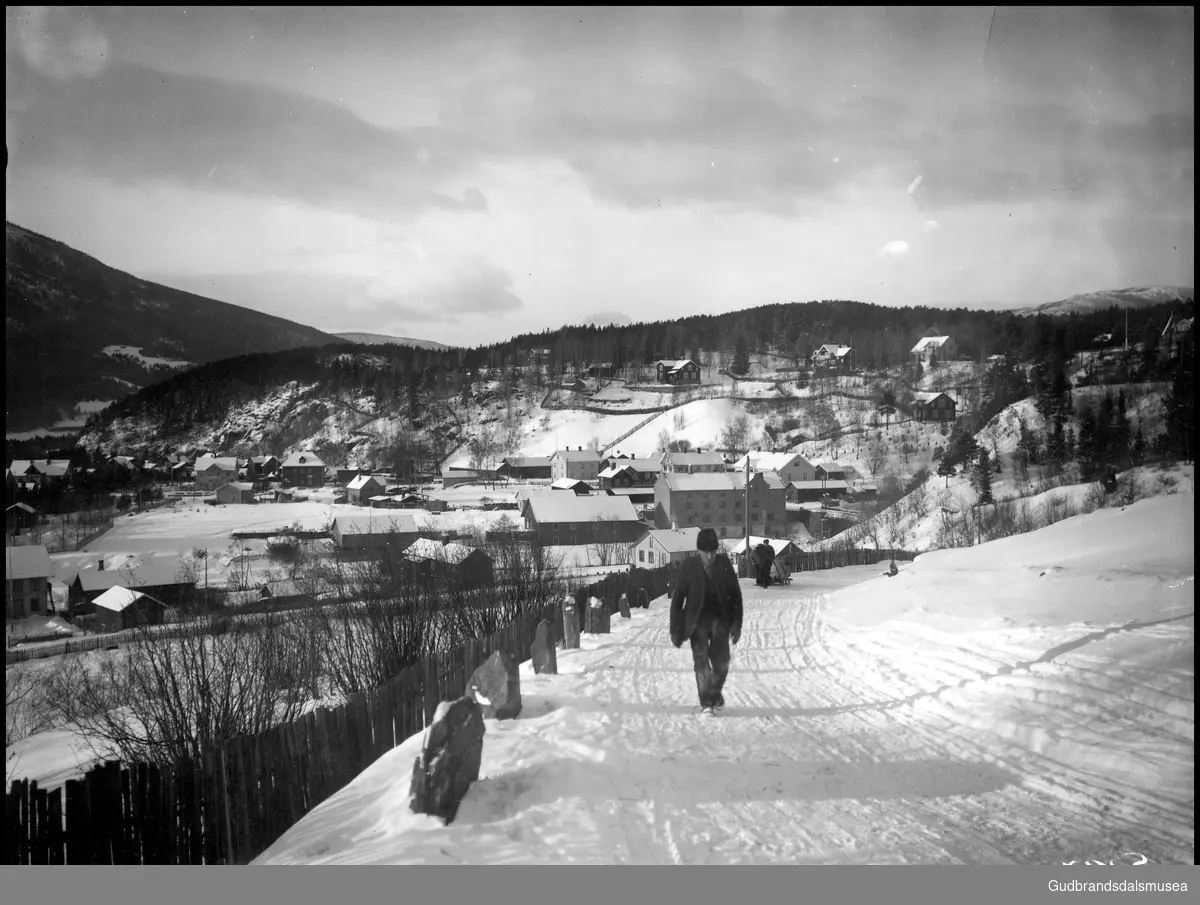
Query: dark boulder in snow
{"points": [[541, 652], [496, 685], [450, 759]]}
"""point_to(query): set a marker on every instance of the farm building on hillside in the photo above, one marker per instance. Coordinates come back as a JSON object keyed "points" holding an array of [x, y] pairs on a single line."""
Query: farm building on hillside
{"points": [[235, 492], [789, 466], [361, 488], [158, 577], [932, 349], [660, 547], [375, 532], [528, 468], [467, 567], [212, 472], [580, 464], [831, 355], [1175, 335], [120, 608], [564, 519], [937, 406], [303, 470], [27, 572], [677, 373], [695, 462]]}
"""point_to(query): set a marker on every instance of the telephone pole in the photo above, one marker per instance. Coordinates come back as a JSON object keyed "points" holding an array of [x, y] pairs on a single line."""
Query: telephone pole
{"points": [[746, 552]]}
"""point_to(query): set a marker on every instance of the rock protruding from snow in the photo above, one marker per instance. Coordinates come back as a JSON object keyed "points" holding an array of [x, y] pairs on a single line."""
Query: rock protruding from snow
{"points": [[541, 652], [570, 625], [623, 605], [496, 685], [598, 617], [449, 761]]}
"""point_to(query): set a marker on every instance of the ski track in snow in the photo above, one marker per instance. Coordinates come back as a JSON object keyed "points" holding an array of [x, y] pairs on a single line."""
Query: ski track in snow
{"points": [[840, 745]]}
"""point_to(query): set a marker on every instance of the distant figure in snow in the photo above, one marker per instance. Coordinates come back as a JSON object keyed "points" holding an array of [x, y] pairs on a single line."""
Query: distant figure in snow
{"points": [[762, 564], [892, 570], [706, 609]]}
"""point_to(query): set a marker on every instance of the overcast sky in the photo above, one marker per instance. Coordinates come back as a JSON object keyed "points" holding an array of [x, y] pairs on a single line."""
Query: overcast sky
{"points": [[464, 175]]}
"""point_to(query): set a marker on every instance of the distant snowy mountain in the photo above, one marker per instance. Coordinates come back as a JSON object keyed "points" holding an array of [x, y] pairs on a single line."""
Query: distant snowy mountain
{"points": [[378, 339], [1135, 297]]}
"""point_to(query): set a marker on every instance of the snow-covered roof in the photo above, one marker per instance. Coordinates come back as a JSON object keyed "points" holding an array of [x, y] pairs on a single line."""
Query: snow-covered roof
{"points": [[708, 457], [305, 459], [641, 464], [52, 467], [673, 365], [611, 472], [425, 548], [360, 481], [550, 506], [820, 485], [568, 484], [832, 349], [771, 478], [924, 396], [399, 522], [681, 481], [237, 485], [675, 540], [577, 455], [930, 342], [119, 598], [151, 573], [224, 463], [31, 561], [769, 461]]}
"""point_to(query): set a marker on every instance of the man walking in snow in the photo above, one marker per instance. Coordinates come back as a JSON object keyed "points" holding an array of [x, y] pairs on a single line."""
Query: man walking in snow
{"points": [[706, 609]]}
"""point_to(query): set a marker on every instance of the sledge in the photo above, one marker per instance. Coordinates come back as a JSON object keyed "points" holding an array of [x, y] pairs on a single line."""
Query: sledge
{"points": [[780, 573]]}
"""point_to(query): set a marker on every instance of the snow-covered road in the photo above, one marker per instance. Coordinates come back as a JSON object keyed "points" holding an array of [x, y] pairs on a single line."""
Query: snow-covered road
{"points": [[839, 744]]}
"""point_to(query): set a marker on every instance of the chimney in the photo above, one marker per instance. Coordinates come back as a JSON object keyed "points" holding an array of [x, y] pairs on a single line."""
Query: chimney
{"points": [[100, 565]]}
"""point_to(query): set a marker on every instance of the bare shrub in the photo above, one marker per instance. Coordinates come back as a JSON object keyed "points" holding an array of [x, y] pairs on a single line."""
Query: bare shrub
{"points": [[167, 698], [25, 709]]}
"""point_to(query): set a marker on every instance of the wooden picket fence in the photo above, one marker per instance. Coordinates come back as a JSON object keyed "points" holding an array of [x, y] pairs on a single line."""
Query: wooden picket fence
{"points": [[242, 796]]}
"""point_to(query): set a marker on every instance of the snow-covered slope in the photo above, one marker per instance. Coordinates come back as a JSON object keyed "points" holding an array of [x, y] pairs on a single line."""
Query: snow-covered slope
{"points": [[1021, 718], [1134, 297]]}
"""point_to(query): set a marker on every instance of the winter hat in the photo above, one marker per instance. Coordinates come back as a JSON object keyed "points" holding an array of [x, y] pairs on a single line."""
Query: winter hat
{"points": [[707, 541]]}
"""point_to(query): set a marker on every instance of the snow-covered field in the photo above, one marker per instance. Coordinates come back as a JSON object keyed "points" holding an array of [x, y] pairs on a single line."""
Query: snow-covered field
{"points": [[148, 361], [1027, 701]]}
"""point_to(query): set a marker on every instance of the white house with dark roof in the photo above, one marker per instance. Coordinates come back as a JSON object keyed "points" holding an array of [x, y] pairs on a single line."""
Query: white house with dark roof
{"points": [[580, 464], [27, 572], [564, 519]]}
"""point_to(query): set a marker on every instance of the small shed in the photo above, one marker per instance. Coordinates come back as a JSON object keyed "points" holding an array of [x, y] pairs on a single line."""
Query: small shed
{"points": [[235, 492], [121, 608]]}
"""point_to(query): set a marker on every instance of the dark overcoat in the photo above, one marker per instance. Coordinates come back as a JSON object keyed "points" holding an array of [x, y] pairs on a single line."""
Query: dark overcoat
{"points": [[687, 601]]}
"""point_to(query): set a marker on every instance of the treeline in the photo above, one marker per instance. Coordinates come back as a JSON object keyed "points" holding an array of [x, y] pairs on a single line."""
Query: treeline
{"points": [[402, 380]]}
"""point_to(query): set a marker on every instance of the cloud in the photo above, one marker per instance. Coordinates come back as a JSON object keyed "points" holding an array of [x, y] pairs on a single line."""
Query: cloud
{"points": [[59, 42], [131, 124], [475, 199], [440, 286], [895, 249]]}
